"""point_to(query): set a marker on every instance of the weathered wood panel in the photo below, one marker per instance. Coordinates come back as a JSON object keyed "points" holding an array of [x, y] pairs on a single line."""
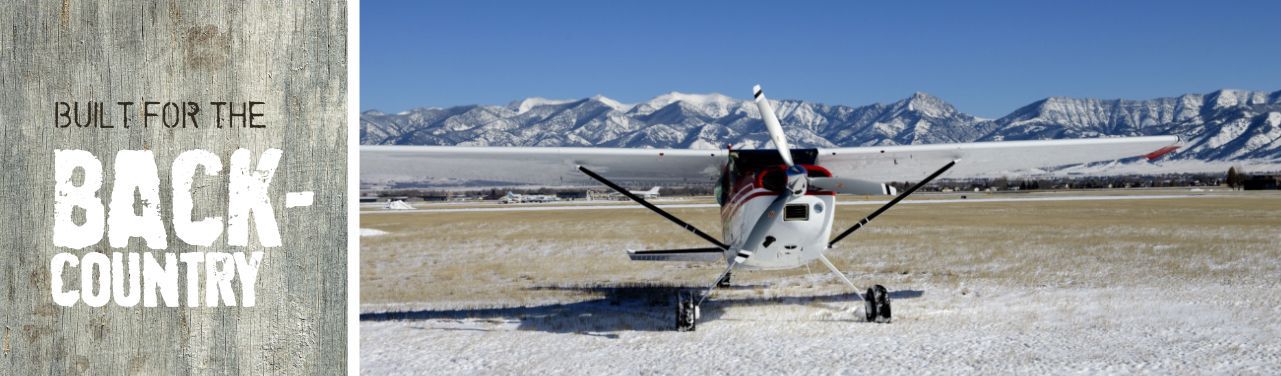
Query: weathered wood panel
{"points": [[291, 55]]}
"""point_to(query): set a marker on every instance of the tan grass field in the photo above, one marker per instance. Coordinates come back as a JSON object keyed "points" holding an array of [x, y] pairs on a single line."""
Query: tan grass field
{"points": [[495, 259], [1184, 285]]}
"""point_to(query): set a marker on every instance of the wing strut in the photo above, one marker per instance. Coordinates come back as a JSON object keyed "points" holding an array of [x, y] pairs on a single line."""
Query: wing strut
{"points": [[655, 209], [887, 206]]}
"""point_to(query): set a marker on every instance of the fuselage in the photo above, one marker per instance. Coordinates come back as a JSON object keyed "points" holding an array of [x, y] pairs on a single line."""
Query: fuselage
{"points": [[797, 235]]}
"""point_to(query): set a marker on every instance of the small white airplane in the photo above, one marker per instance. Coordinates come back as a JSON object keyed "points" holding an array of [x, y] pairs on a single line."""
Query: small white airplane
{"points": [[777, 206], [651, 193], [512, 198]]}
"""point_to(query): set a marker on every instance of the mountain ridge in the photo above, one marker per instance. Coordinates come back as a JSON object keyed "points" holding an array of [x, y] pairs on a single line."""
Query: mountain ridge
{"points": [[1223, 125]]}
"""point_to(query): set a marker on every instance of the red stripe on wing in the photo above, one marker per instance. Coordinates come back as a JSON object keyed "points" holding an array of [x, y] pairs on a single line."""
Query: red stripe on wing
{"points": [[1160, 152]]}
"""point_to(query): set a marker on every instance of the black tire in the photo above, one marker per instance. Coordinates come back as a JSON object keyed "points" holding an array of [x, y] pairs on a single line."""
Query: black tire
{"points": [[869, 305], [686, 312], [882, 304]]}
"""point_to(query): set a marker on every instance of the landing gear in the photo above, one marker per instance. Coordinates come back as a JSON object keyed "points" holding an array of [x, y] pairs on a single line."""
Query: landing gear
{"points": [[876, 304], [687, 301], [686, 311], [724, 282]]}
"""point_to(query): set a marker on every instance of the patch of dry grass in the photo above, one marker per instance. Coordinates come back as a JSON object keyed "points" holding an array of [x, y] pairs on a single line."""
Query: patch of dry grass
{"points": [[498, 258]]}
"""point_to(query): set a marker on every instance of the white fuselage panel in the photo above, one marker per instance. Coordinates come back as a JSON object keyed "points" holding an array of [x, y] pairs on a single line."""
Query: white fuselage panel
{"points": [[794, 242]]}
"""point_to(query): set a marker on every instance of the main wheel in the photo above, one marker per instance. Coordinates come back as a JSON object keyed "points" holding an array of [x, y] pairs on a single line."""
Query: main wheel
{"points": [[686, 312], [724, 282], [869, 305], [882, 304]]}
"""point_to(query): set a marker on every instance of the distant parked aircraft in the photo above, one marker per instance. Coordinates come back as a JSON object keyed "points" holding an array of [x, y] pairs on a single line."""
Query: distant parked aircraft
{"points": [[513, 198], [651, 193]]}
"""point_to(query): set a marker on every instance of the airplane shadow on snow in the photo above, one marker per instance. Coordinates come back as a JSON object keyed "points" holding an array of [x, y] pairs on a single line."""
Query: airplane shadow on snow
{"points": [[637, 308]]}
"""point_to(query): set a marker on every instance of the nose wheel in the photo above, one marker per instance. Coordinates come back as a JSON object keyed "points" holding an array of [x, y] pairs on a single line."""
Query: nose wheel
{"points": [[876, 304]]}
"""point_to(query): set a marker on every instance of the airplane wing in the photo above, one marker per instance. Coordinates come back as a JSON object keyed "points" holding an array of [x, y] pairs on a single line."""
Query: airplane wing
{"points": [[448, 165], [914, 162]]}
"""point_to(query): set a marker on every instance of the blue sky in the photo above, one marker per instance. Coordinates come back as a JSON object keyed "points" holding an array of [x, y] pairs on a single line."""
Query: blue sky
{"points": [[985, 57]]}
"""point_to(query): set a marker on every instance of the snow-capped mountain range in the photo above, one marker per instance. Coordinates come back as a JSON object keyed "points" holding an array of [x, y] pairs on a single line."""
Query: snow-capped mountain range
{"points": [[1222, 126]]}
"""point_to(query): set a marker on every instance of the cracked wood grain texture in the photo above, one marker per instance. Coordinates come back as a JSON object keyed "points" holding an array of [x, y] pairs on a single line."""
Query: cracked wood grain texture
{"points": [[291, 55]]}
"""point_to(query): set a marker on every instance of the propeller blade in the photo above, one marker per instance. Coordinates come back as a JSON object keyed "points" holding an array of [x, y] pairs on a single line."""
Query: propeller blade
{"points": [[771, 124], [852, 186]]}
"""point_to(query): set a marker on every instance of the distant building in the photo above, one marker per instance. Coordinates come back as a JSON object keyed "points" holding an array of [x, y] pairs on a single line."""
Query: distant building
{"points": [[572, 195], [1260, 182]]}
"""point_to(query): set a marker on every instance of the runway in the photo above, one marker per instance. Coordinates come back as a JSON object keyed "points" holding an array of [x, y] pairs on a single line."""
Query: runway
{"points": [[558, 207]]}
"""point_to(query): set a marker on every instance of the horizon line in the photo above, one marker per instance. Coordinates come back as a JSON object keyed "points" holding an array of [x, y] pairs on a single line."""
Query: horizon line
{"points": [[915, 93]]}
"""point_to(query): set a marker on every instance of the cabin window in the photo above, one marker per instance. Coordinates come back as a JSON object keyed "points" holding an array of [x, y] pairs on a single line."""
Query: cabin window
{"points": [[796, 212]]}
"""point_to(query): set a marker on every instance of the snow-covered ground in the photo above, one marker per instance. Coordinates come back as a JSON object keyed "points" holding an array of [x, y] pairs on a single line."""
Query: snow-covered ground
{"points": [[371, 232], [975, 330], [1174, 285]]}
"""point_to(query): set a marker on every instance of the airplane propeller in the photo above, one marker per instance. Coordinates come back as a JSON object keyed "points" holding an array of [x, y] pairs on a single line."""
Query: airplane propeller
{"points": [[797, 176], [798, 180], [771, 124]]}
